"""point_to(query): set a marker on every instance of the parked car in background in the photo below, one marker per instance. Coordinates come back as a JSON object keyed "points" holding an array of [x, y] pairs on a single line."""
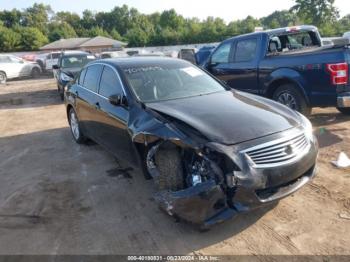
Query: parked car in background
{"points": [[203, 53], [213, 152], [69, 64], [14, 67], [113, 54], [347, 35], [48, 60], [188, 54], [288, 65]]}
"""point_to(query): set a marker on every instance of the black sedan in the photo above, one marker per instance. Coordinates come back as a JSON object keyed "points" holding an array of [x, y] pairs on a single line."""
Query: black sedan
{"points": [[212, 152]]}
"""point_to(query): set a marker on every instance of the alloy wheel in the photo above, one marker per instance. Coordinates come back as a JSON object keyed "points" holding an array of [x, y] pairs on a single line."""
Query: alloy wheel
{"points": [[74, 125], [288, 100]]}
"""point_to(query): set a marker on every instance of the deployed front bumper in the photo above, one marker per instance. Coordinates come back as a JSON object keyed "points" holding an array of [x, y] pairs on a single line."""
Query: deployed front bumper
{"points": [[209, 203]]}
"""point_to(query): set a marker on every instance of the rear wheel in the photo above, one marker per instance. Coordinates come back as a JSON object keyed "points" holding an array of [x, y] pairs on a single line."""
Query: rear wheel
{"points": [[344, 110], [290, 96], [75, 127], [3, 78], [35, 72]]}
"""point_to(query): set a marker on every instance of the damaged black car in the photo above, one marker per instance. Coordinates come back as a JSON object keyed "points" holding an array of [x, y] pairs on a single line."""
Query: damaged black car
{"points": [[212, 151]]}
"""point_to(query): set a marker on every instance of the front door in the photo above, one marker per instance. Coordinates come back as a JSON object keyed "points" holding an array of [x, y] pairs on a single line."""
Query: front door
{"points": [[112, 120]]}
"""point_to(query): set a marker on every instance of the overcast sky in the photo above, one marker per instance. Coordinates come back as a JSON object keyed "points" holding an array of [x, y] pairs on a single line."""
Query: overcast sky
{"points": [[227, 9]]}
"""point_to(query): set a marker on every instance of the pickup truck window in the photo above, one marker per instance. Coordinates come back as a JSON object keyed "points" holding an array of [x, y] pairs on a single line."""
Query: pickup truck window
{"points": [[293, 41], [245, 50], [222, 54]]}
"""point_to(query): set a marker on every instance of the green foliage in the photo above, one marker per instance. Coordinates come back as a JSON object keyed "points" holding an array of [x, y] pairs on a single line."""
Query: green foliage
{"points": [[34, 26], [31, 38], [58, 30], [9, 40], [316, 12]]}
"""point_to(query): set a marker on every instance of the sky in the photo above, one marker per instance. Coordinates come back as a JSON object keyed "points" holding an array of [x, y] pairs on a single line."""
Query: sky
{"points": [[227, 9]]}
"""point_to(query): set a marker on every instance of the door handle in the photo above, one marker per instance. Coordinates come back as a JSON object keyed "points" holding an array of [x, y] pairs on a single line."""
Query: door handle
{"points": [[97, 106]]}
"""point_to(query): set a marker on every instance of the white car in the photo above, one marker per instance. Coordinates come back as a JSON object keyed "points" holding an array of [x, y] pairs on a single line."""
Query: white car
{"points": [[347, 35], [12, 67], [48, 60]]}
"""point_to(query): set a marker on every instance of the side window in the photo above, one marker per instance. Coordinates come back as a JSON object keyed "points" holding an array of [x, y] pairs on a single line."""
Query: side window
{"points": [[81, 77], [222, 54], [92, 76], [245, 50], [110, 84]]}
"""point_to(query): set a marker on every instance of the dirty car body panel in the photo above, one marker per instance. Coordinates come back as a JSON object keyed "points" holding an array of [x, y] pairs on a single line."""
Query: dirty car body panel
{"points": [[231, 151]]}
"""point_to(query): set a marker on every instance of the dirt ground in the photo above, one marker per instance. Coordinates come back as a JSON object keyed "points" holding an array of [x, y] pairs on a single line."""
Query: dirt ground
{"points": [[57, 197]]}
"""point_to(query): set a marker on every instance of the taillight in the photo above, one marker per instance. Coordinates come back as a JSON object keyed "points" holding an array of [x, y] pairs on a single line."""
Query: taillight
{"points": [[339, 73]]}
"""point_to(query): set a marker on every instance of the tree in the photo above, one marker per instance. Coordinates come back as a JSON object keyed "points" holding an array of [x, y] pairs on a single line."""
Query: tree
{"points": [[37, 16], [280, 19], [58, 30], [136, 37], [316, 12], [9, 40], [31, 38], [10, 18]]}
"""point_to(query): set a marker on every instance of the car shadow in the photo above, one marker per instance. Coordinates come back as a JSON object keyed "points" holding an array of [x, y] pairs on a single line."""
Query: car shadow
{"points": [[48, 176], [35, 98]]}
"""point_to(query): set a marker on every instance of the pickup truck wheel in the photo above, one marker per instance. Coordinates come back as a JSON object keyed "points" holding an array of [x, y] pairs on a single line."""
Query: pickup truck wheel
{"points": [[35, 72], [344, 110], [290, 96], [169, 164], [75, 127], [3, 78]]}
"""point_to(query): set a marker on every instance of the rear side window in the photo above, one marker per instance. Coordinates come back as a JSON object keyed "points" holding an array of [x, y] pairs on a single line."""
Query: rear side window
{"points": [[81, 77], [246, 50], [110, 84], [222, 54], [92, 76]]}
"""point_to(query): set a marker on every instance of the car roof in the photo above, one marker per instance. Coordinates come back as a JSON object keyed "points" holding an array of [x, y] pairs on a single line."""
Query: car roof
{"points": [[277, 31], [138, 61]]}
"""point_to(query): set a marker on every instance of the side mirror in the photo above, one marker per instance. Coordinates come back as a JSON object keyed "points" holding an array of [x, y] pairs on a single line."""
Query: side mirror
{"points": [[117, 100], [56, 67]]}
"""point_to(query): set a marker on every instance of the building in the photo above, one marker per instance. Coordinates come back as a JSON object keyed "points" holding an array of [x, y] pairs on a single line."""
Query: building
{"points": [[95, 45]]}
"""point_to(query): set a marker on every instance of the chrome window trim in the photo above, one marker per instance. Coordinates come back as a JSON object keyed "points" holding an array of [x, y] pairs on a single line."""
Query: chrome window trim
{"points": [[96, 93]]}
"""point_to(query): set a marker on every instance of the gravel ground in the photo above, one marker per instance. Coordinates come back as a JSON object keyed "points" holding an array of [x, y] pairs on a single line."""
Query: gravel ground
{"points": [[57, 197]]}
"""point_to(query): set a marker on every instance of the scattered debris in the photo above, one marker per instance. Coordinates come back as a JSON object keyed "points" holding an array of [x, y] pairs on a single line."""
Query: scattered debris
{"points": [[344, 215], [343, 161]]}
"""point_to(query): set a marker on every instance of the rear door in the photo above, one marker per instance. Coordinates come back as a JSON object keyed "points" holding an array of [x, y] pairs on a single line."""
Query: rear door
{"points": [[112, 120], [87, 99]]}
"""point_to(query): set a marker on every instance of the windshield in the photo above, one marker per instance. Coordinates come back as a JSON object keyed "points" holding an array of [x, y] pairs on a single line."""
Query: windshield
{"points": [[158, 83], [72, 61]]}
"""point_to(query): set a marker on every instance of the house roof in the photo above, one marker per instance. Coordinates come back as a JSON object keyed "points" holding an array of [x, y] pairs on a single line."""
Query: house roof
{"points": [[75, 43], [102, 41]]}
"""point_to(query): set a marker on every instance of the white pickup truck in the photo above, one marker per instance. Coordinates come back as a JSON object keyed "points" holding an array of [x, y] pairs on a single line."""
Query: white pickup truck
{"points": [[13, 67]]}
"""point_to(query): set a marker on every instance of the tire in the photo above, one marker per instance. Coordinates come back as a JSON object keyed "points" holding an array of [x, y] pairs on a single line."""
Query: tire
{"points": [[290, 96], [3, 78], [35, 72], [169, 164], [344, 110], [60, 92], [74, 125]]}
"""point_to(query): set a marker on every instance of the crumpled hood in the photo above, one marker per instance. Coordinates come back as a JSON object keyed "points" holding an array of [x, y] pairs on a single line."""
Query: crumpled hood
{"points": [[230, 117], [71, 71]]}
